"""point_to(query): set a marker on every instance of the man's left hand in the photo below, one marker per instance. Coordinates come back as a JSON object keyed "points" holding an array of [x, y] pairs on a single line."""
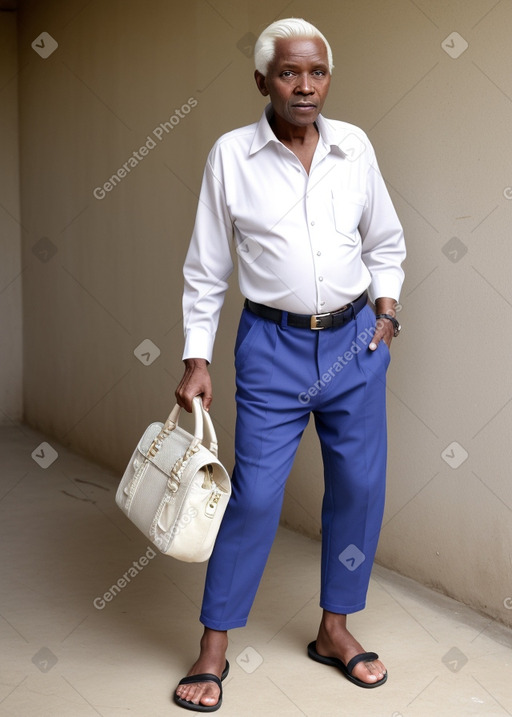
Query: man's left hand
{"points": [[384, 329]]}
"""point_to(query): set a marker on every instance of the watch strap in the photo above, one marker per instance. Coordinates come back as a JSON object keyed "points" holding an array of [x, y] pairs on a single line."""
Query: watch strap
{"points": [[396, 325]]}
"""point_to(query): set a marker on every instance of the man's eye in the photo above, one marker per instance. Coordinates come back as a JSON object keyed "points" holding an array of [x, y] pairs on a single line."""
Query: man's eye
{"points": [[287, 73], [320, 73]]}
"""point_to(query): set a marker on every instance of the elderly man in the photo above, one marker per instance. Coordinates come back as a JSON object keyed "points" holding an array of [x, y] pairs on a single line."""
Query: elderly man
{"points": [[301, 201]]}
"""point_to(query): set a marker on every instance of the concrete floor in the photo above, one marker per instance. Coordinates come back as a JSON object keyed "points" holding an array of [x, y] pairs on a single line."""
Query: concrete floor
{"points": [[69, 651]]}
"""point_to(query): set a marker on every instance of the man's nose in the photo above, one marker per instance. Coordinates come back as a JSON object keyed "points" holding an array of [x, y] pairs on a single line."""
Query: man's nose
{"points": [[304, 84]]}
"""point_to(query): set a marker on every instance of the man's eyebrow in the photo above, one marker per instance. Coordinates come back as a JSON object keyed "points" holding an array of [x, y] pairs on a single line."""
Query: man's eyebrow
{"points": [[293, 64]]}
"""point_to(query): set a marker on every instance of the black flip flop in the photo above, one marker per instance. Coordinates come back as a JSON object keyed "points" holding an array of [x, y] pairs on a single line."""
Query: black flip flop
{"points": [[348, 668], [204, 677]]}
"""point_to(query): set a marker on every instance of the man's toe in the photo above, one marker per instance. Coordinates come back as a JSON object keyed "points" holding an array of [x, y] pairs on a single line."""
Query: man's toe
{"points": [[368, 672]]}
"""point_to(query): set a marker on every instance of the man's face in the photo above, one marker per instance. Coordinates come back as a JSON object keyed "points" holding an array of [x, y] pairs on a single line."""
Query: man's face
{"points": [[297, 79]]}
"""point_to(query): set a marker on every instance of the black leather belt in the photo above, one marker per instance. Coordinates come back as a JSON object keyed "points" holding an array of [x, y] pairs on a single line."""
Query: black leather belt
{"points": [[315, 322]]}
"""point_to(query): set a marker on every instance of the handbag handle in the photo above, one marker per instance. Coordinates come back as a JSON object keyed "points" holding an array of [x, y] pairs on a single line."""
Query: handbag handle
{"points": [[204, 432]]}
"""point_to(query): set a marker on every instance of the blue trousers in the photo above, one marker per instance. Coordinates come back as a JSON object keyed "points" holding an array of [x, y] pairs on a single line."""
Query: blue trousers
{"points": [[283, 374]]}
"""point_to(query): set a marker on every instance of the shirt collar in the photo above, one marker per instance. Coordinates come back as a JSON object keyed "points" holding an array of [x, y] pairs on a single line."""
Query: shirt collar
{"points": [[264, 133]]}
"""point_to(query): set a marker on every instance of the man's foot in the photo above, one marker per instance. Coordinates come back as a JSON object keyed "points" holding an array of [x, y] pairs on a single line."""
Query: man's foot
{"points": [[334, 640], [212, 660]]}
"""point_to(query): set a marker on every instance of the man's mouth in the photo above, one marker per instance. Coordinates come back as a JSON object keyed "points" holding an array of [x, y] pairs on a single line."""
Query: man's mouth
{"points": [[305, 105]]}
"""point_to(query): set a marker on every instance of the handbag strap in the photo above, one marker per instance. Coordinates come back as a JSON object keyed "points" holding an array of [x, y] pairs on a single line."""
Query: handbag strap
{"points": [[204, 432], [209, 439]]}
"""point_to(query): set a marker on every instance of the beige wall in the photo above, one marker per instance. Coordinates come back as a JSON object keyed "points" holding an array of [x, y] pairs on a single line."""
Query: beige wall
{"points": [[441, 128], [10, 231]]}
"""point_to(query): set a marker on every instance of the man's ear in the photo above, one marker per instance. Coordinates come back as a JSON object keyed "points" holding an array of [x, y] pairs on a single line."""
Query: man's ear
{"points": [[261, 83]]}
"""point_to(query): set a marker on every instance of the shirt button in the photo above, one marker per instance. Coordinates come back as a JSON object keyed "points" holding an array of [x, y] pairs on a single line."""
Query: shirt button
{"points": [[320, 278], [319, 253], [313, 224], [322, 303]]}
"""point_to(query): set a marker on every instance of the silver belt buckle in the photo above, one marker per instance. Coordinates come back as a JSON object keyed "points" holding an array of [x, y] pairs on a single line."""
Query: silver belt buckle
{"points": [[315, 322]]}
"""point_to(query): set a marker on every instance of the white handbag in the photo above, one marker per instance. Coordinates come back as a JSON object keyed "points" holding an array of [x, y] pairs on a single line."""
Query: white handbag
{"points": [[174, 489]]}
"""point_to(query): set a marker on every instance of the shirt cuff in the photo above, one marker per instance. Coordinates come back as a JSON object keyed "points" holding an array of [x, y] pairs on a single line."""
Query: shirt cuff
{"points": [[198, 344], [385, 286]]}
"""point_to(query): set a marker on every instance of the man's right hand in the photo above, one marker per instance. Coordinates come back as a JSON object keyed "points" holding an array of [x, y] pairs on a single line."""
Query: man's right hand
{"points": [[195, 382]]}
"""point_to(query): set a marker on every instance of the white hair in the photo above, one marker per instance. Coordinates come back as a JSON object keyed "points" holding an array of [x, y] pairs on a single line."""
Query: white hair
{"points": [[265, 48]]}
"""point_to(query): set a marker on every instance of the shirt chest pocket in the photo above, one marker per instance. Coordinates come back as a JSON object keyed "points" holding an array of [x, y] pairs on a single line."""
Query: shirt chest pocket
{"points": [[348, 209]]}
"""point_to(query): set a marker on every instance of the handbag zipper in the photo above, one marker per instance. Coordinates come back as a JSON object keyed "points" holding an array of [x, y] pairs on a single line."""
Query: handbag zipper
{"points": [[213, 502]]}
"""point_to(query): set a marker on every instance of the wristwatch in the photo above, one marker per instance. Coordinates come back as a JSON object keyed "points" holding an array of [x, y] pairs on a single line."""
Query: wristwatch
{"points": [[396, 325]]}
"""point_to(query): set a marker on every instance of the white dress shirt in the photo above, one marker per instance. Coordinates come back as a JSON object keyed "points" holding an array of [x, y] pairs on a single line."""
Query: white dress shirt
{"points": [[306, 244]]}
